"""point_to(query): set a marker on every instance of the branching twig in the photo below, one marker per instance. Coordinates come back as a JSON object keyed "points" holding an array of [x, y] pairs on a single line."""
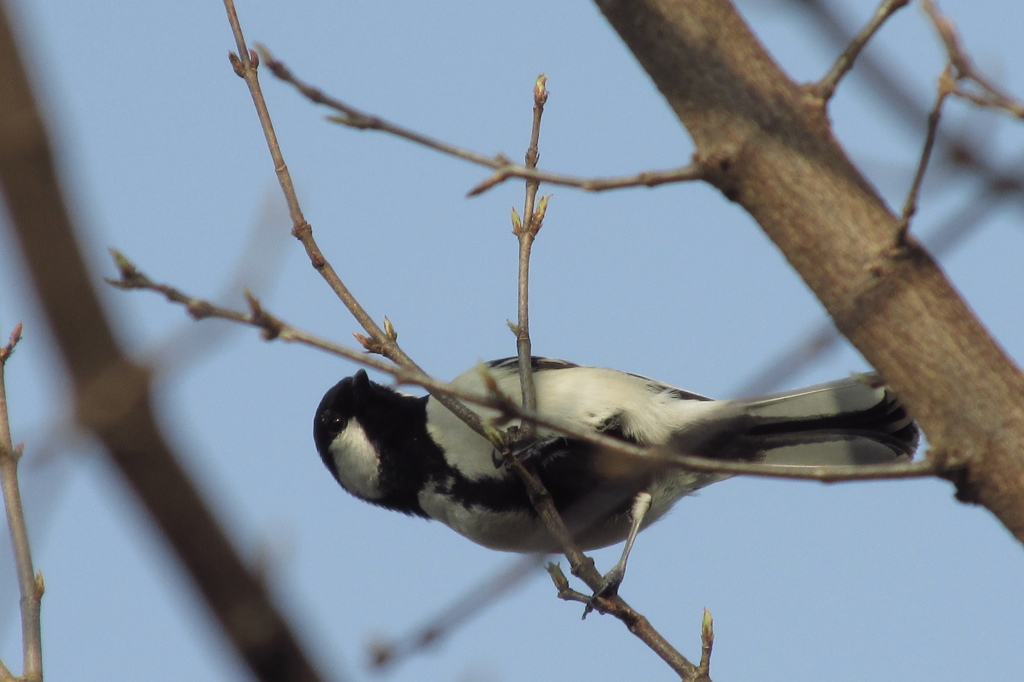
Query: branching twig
{"points": [[273, 328], [30, 584], [990, 94], [504, 169], [998, 185], [826, 87], [382, 341]]}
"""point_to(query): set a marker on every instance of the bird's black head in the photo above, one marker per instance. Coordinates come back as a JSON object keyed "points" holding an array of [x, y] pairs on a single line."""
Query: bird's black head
{"points": [[374, 441]]}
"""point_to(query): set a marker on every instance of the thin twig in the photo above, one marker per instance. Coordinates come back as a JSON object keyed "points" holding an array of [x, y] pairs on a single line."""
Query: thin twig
{"points": [[991, 95], [504, 169], [526, 231], [382, 341], [960, 151], [30, 585], [826, 87], [946, 86], [956, 151]]}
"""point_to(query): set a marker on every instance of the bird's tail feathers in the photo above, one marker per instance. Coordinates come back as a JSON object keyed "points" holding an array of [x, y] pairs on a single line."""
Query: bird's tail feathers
{"points": [[850, 421]]}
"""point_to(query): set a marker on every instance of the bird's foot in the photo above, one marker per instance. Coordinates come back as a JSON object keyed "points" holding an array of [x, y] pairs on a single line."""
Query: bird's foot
{"points": [[609, 587]]}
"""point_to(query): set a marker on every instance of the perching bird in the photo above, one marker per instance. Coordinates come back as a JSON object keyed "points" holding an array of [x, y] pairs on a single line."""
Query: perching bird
{"points": [[413, 455]]}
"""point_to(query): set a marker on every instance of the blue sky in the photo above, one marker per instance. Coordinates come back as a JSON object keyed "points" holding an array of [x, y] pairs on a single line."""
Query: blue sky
{"points": [[163, 159]]}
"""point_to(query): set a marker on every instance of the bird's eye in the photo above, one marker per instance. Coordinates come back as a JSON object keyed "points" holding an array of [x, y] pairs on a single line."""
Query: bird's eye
{"points": [[331, 420]]}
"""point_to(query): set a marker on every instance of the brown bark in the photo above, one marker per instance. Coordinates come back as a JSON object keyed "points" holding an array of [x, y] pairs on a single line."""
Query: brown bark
{"points": [[770, 145]]}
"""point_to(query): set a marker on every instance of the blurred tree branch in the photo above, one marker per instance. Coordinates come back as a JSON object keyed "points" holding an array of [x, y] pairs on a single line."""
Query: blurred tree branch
{"points": [[113, 394]]}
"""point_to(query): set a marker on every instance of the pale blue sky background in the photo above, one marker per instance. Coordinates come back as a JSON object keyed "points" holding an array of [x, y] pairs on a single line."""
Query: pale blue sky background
{"points": [[163, 158]]}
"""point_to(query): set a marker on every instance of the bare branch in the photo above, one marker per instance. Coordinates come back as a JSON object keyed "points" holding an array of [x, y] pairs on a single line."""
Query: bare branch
{"points": [[504, 169], [581, 566], [781, 163], [30, 586], [826, 87], [990, 94], [245, 64]]}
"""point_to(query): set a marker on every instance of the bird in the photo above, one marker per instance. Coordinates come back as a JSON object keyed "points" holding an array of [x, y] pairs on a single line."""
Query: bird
{"points": [[411, 454]]}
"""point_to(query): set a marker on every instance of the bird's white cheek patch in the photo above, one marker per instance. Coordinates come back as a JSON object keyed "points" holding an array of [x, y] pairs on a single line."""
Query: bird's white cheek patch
{"points": [[357, 462]]}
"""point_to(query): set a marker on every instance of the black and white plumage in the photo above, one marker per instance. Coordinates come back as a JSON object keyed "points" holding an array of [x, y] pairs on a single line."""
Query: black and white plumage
{"points": [[412, 455]]}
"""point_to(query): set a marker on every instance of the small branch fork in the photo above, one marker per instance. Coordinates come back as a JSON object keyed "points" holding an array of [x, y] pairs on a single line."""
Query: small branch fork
{"points": [[30, 583], [979, 89], [960, 68], [826, 87], [984, 92]]}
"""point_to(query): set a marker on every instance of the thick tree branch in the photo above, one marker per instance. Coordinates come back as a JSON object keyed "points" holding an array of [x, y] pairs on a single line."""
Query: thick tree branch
{"points": [[776, 156], [113, 394]]}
